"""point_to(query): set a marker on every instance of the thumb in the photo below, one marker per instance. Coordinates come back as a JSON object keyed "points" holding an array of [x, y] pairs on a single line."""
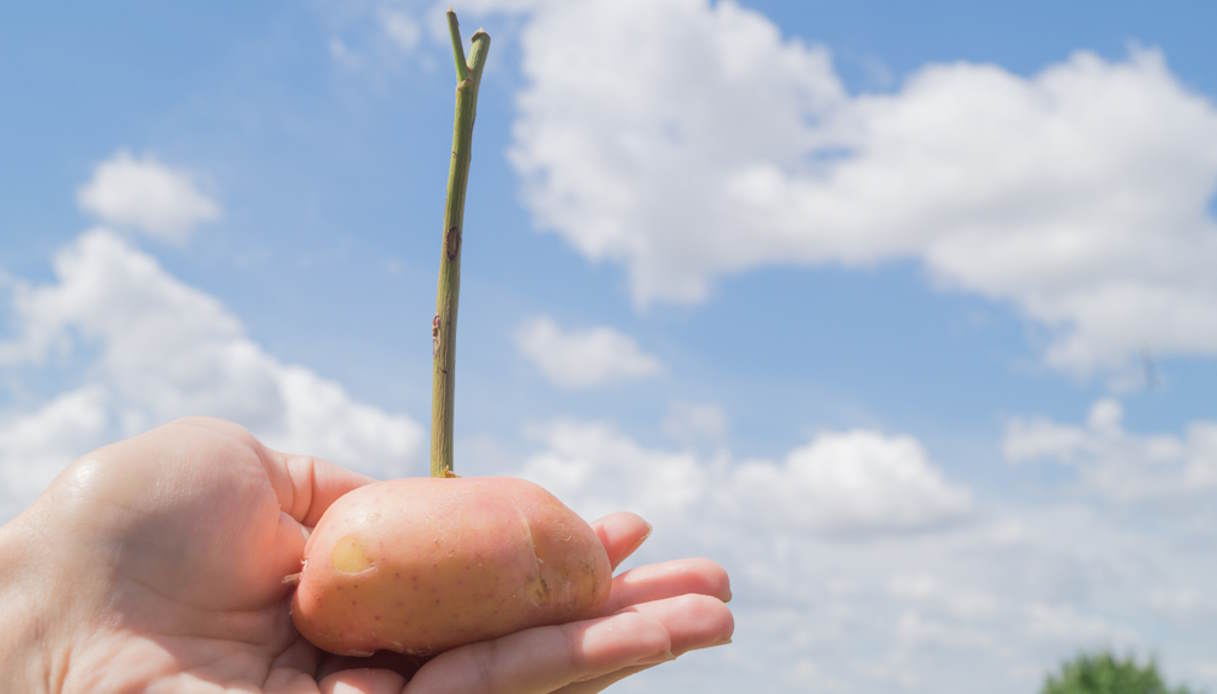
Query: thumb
{"points": [[305, 487], [287, 548]]}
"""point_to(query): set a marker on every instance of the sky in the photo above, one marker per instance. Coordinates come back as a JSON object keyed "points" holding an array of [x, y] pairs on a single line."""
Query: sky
{"points": [[905, 314]]}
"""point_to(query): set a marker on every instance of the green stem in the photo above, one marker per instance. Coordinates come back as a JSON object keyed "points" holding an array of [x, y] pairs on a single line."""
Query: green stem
{"points": [[458, 48], [443, 327]]}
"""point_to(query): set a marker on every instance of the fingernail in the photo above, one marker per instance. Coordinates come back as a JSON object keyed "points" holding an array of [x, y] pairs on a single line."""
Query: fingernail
{"points": [[716, 644], [657, 659], [642, 539]]}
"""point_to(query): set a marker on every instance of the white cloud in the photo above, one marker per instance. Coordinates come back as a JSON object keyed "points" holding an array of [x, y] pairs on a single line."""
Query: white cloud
{"points": [[688, 141], [851, 482], [1063, 623], [400, 27], [582, 358], [1118, 464], [857, 601], [157, 349], [915, 629], [1184, 604], [794, 596], [925, 588], [35, 447], [692, 422], [594, 468], [147, 196], [833, 590]]}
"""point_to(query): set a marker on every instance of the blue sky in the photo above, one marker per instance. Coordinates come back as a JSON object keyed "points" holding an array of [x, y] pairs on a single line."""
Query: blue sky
{"points": [[780, 236]]}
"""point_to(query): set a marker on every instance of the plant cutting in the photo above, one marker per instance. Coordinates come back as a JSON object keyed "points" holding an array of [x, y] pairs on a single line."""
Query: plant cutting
{"points": [[422, 565]]}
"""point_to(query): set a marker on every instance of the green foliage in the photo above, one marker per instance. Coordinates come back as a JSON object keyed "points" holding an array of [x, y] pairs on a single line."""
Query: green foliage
{"points": [[1103, 673]]}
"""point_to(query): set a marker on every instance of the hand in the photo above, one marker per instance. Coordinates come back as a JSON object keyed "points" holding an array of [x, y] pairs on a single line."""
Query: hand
{"points": [[157, 564]]}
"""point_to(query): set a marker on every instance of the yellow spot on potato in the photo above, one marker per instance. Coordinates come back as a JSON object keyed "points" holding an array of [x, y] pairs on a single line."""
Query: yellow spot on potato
{"points": [[348, 556]]}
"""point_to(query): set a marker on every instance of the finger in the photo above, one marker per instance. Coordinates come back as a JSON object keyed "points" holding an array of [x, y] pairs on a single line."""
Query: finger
{"points": [[292, 670], [542, 659], [669, 579], [219, 426], [280, 550], [599, 684], [621, 534], [691, 621], [306, 486], [401, 663], [363, 681], [282, 557]]}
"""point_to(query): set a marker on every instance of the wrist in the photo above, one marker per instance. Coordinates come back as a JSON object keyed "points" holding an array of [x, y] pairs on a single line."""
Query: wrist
{"points": [[28, 659]]}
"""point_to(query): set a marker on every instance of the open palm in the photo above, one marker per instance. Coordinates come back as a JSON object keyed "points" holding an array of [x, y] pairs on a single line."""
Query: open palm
{"points": [[173, 547]]}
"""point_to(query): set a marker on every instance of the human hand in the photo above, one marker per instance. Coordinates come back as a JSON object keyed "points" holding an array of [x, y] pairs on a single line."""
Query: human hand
{"points": [[157, 564]]}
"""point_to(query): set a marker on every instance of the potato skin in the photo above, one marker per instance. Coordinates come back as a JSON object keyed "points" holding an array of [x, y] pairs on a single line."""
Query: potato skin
{"points": [[422, 565]]}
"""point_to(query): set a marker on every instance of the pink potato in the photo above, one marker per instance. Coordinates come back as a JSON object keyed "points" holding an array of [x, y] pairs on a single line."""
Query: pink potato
{"points": [[425, 564]]}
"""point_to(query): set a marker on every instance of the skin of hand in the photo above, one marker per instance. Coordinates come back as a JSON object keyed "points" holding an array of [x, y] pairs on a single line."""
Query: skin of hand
{"points": [[157, 564]]}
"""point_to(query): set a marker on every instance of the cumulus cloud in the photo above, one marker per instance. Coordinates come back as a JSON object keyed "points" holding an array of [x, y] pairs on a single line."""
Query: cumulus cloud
{"points": [[925, 588], [582, 358], [855, 482], [688, 140], [852, 482], [856, 562], [34, 447], [693, 422], [858, 566], [147, 196], [1118, 464], [1184, 604], [157, 349], [594, 467], [1063, 623]]}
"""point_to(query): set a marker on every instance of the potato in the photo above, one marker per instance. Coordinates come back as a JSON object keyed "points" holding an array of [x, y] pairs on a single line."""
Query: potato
{"points": [[422, 565]]}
